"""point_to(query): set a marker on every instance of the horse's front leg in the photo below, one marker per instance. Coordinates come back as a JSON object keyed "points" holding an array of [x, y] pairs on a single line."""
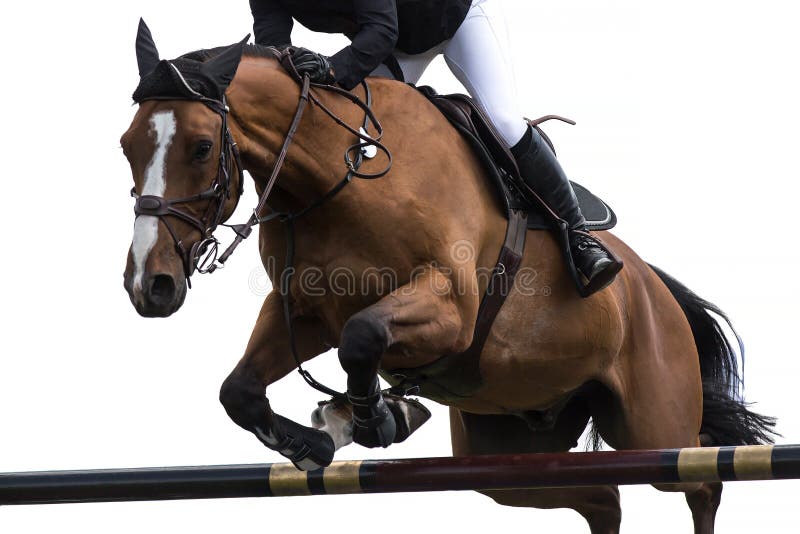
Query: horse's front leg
{"points": [[413, 326], [268, 358]]}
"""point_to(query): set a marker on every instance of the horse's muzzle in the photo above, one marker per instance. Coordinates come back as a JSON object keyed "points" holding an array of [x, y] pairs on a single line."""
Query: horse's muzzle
{"points": [[160, 295]]}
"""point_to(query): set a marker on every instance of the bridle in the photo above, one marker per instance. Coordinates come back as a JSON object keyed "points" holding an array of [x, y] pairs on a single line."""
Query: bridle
{"points": [[203, 253]]}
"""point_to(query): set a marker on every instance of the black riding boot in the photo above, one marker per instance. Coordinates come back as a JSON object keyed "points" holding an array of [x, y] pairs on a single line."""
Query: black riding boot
{"points": [[543, 174]]}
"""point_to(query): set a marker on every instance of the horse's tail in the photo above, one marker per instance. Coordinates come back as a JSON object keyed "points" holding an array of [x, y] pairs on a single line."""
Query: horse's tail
{"points": [[726, 417]]}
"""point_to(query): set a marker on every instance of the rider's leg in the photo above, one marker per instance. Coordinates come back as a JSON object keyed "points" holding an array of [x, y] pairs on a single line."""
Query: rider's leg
{"points": [[536, 160], [478, 56]]}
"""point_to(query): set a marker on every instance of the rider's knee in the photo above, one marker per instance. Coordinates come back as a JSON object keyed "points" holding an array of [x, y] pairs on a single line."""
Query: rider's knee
{"points": [[511, 127], [364, 338]]}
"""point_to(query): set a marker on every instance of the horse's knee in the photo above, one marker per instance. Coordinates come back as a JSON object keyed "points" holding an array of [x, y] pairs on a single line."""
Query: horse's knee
{"points": [[243, 398], [364, 339]]}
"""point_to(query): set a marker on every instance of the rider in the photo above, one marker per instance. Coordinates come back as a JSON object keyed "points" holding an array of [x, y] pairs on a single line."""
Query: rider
{"points": [[399, 38]]}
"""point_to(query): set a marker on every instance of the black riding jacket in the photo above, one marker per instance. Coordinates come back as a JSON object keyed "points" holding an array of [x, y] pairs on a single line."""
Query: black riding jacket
{"points": [[375, 27]]}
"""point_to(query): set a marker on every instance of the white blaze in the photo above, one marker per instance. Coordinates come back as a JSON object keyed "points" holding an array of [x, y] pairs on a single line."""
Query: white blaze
{"points": [[145, 229]]}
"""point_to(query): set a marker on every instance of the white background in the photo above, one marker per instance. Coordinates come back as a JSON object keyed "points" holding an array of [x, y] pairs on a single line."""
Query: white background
{"points": [[687, 121]]}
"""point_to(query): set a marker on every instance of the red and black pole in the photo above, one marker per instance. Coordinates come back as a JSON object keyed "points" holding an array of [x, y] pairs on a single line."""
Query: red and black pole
{"points": [[761, 462]]}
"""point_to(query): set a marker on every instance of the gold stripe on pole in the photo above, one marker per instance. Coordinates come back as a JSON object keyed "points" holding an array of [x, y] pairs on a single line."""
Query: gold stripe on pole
{"points": [[342, 478], [698, 464], [285, 480], [753, 462]]}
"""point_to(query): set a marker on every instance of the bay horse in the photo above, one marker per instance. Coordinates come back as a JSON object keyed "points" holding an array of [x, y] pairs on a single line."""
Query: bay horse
{"points": [[643, 359]]}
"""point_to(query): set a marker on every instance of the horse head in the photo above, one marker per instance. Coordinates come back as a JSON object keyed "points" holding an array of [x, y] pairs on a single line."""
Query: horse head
{"points": [[186, 174]]}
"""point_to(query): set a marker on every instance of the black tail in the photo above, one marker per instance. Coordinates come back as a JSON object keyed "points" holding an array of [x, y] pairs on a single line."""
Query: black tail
{"points": [[726, 417]]}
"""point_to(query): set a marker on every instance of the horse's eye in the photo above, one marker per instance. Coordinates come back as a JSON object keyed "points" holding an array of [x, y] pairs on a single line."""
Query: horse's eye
{"points": [[202, 151]]}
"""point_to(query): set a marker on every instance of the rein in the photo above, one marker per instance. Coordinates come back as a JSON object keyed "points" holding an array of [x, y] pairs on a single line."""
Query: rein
{"points": [[353, 158], [353, 162]]}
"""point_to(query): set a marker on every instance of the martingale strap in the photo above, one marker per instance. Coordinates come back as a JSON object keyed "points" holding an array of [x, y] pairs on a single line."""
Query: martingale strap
{"points": [[353, 159]]}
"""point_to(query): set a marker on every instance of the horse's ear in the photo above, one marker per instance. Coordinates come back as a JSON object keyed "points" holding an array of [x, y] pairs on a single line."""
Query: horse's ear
{"points": [[146, 52], [222, 67]]}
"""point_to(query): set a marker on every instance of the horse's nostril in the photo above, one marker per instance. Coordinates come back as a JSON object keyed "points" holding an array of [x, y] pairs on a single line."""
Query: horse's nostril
{"points": [[162, 288]]}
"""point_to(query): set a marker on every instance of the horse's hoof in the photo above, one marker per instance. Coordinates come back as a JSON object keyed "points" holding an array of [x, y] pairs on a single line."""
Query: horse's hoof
{"points": [[409, 415], [376, 427], [335, 418]]}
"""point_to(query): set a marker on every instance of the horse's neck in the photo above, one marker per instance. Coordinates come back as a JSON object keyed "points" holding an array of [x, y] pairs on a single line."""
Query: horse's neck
{"points": [[263, 100], [434, 176]]}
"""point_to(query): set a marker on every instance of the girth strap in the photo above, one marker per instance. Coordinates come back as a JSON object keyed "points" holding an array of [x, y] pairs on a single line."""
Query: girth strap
{"points": [[459, 375], [502, 281]]}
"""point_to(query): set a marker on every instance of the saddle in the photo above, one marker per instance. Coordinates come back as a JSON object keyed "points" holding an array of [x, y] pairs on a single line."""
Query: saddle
{"points": [[465, 116]]}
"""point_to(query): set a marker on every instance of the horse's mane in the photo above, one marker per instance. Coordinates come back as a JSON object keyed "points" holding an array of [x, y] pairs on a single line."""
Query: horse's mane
{"points": [[250, 50]]}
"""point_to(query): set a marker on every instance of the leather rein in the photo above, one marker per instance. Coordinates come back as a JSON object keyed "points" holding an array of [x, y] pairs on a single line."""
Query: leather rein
{"points": [[203, 255]]}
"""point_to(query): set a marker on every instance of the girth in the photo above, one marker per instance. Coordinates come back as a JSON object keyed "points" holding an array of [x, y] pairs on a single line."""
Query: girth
{"points": [[456, 376]]}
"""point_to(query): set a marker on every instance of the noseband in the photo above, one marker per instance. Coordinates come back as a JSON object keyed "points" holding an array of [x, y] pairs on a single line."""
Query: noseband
{"points": [[203, 253]]}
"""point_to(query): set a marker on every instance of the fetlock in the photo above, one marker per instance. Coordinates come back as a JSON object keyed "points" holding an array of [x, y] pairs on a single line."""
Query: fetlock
{"points": [[374, 424]]}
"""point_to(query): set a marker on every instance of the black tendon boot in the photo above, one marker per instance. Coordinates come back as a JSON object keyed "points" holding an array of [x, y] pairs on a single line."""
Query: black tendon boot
{"points": [[373, 423], [543, 174]]}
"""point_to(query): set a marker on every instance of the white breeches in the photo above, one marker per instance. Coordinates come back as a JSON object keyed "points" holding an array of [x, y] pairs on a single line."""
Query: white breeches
{"points": [[478, 56]]}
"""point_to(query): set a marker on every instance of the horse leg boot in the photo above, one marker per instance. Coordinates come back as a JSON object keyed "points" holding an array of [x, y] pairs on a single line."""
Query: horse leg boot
{"points": [[543, 174], [266, 360], [419, 320], [364, 339]]}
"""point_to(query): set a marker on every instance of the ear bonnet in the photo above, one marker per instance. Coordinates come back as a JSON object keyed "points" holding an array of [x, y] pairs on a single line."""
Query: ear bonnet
{"points": [[184, 78]]}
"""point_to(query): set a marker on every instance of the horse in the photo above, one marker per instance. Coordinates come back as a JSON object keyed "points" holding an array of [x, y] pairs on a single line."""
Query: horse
{"points": [[391, 270]]}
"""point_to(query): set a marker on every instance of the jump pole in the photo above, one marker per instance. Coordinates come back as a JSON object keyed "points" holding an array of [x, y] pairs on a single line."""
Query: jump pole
{"points": [[761, 462]]}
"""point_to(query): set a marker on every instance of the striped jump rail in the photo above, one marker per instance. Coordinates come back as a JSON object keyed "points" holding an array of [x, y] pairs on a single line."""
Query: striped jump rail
{"points": [[762, 462]]}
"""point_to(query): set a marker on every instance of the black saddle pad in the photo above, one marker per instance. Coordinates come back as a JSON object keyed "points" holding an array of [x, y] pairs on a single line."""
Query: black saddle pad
{"points": [[598, 214], [464, 115]]}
